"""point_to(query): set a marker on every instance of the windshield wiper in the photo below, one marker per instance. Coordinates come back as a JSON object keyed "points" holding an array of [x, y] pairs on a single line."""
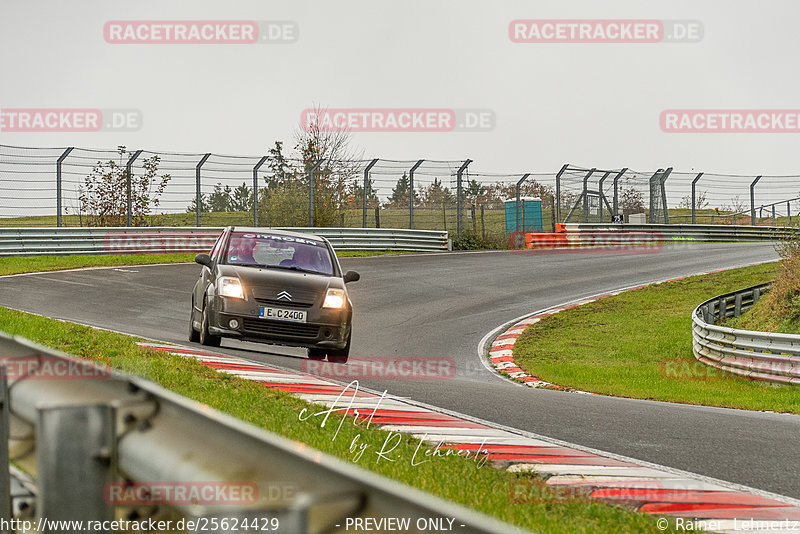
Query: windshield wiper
{"points": [[294, 268], [248, 264]]}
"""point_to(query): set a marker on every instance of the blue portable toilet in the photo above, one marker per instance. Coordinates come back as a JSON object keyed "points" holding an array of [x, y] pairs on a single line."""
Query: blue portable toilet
{"points": [[531, 219]]}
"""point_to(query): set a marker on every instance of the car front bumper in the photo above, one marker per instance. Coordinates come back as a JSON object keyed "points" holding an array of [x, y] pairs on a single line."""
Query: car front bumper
{"points": [[324, 328]]}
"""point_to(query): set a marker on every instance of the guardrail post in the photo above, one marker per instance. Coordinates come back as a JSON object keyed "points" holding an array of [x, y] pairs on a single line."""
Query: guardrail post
{"points": [[459, 195], [558, 191], [128, 180], [411, 193], [366, 186], [58, 183], [198, 194], [517, 207], [694, 204], [311, 185], [75, 457], [585, 195], [753, 201], [5, 475], [255, 188]]}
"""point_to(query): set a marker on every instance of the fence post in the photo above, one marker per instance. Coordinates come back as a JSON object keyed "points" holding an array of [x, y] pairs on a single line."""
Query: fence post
{"points": [[377, 216], [664, 194], [311, 192], [789, 212], [753, 201], [459, 196], [483, 225], [411, 193], [519, 212], [198, 193], [129, 171], [603, 195], [650, 194], [696, 178], [366, 185], [773, 215], [255, 188], [58, 183], [586, 195], [616, 189], [558, 190]]}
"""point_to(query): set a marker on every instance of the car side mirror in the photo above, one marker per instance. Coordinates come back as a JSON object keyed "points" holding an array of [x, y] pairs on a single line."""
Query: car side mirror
{"points": [[351, 276], [203, 259]]}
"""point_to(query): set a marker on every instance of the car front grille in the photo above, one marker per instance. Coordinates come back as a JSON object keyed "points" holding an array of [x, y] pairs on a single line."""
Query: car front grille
{"points": [[266, 327], [284, 303], [268, 294]]}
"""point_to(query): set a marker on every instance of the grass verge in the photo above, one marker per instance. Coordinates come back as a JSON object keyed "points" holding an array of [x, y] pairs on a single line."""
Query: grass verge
{"points": [[31, 264], [485, 489], [638, 344], [779, 309]]}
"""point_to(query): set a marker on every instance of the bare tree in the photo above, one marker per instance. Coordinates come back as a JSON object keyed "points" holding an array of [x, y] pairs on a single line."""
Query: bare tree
{"points": [[315, 141], [700, 201], [103, 196]]}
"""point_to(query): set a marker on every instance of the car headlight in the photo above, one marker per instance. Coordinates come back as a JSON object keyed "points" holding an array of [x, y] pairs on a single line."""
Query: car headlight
{"points": [[230, 287], [334, 298]]}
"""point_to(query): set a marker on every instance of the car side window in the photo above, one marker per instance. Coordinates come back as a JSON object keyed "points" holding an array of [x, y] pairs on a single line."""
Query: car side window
{"points": [[215, 252]]}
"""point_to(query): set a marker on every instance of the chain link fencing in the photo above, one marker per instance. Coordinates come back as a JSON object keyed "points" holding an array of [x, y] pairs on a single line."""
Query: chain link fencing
{"points": [[94, 187]]}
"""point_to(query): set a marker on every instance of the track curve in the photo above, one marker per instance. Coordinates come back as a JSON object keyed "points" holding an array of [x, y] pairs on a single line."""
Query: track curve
{"points": [[442, 305]]}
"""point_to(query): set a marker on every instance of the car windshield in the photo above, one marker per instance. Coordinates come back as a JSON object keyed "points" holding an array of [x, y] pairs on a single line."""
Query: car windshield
{"points": [[279, 252]]}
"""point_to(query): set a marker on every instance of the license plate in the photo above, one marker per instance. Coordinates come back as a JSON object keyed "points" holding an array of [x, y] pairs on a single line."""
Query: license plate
{"points": [[282, 314]]}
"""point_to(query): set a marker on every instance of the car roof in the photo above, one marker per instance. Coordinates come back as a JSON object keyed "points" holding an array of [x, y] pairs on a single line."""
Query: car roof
{"points": [[275, 231]]}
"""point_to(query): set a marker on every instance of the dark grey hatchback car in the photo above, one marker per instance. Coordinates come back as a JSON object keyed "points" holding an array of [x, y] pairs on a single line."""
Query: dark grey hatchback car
{"points": [[273, 286]]}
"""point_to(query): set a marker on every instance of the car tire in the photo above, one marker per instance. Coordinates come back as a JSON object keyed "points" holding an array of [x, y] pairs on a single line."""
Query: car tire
{"points": [[316, 354], [194, 335], [340, 355], [207, 338]]}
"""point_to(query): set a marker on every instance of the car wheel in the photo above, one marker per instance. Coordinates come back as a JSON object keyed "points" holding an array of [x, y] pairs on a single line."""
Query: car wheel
{"points": [[205, 337], [340, 355], [194, 335], [316, 354]]}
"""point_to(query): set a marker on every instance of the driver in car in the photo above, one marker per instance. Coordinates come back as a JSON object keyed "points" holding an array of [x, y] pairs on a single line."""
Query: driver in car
{"points": [[304, 258], [243, 253]]}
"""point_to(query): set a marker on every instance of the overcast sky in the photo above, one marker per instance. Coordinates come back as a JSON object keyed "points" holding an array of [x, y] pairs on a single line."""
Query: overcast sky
{"points": [[591, 104]]}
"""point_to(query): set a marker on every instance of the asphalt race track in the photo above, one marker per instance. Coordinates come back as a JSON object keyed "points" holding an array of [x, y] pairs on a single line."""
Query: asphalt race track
{"points": [[442, 305]]}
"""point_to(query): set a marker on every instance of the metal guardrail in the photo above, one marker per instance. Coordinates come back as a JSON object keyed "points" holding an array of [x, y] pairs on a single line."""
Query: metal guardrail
{"points": [[91, 429], [691, 232], [757, 355], [65, 241]]}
